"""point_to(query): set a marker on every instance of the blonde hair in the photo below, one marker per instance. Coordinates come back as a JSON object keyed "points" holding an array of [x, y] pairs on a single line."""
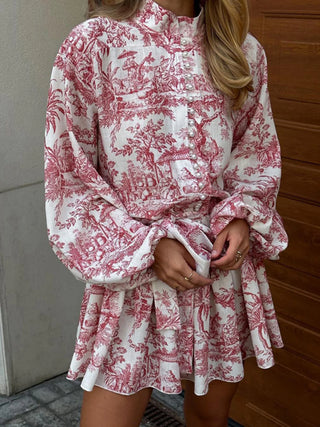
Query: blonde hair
{"points": [[227, 23]]}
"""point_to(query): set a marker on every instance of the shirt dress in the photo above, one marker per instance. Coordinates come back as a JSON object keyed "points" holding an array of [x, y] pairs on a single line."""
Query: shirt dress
{"points": [[140, 146]]}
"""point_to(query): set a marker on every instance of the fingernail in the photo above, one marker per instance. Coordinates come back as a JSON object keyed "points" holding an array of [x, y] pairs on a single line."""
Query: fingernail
{"points": [[214, 253]]}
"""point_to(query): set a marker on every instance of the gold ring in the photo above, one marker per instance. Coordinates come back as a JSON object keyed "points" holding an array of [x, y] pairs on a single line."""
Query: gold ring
{"points": [[238, 256], [189, 277]]}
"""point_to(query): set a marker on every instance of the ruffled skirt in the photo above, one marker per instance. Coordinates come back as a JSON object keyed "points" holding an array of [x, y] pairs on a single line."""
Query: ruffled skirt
{"points": [[154, 336]]}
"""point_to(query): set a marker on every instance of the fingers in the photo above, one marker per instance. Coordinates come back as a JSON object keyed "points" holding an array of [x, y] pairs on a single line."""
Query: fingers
{"points": [[179, 281], [219, 245], [238, 259], [233, 258], [199, 280], [178, 288], [196, 280], [229, 257], [236, 238], [175, 266], [182, 279]]}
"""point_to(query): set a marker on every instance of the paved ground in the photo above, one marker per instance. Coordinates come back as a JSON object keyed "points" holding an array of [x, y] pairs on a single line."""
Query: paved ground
{"points": [[57, 403]]}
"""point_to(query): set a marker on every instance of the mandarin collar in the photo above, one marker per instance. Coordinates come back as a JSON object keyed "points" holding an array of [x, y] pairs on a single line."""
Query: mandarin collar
{"points": [[157, 18]]}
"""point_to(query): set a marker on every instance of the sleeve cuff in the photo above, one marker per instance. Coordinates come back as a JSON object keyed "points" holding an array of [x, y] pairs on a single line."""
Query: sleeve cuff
{"points": [[267, 235]]}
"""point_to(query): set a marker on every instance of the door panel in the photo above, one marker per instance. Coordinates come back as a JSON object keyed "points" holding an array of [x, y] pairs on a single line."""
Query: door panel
{"points": [[289, 393], [300, 180], [298, 255], [299, 305], [295, 52], [293, 136]]}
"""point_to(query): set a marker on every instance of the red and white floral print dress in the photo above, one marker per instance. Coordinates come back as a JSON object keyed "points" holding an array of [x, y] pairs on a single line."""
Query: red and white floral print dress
{"points": [[140, 146]]}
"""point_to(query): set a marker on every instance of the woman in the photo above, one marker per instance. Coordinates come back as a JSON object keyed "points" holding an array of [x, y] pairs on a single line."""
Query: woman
{"points": [[162, 171]]}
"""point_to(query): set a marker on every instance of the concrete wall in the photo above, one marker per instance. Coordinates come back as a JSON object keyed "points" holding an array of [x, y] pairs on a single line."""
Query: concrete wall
{"points": [[39, 298]]}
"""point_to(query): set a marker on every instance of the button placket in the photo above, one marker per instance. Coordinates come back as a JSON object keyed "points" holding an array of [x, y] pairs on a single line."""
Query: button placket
{"points": [[190, 98], [189, 87], [192, 133]]}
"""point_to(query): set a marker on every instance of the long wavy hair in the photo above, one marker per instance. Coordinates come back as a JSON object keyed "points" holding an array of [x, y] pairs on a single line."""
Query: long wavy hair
{"points": [[226, 22]]}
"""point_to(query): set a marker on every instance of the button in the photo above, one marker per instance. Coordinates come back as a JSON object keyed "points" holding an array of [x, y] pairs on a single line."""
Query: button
{"points": [[196, 166], [184, 42], [203, 196], [188, 76], [187, 66], [185, 54], [201, 185], [191, 122], [191, 111], [198, 174], [189, 86], [192, 145], [192, 133], [190, 98], [193, 156]]}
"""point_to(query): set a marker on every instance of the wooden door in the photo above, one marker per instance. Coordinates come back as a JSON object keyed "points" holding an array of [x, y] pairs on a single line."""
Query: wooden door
{"points": [[288, 394]]}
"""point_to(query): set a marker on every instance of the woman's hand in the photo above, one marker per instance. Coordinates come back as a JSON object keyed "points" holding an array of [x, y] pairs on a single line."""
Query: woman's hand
{"points": [[235, 238], [175, 266]]}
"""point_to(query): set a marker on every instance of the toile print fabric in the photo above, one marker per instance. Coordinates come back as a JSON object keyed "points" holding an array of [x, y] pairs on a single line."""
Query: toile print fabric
{"points": [[140, 146]]}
